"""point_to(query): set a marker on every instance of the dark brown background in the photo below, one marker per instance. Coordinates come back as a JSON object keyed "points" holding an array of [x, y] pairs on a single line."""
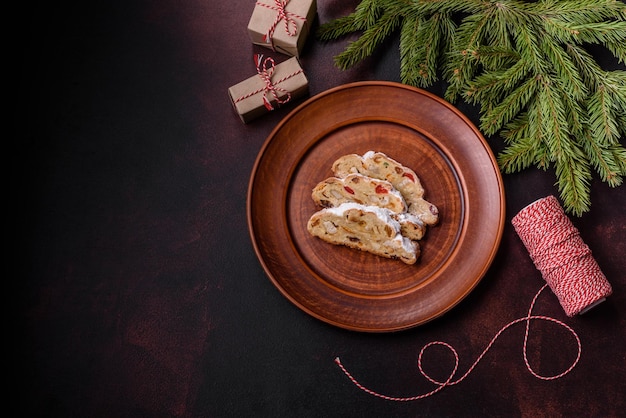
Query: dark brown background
{"points": [[138, 292]]}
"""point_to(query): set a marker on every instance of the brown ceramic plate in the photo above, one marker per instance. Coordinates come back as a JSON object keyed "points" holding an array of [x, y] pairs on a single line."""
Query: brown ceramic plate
{"points": [[357, 290]]}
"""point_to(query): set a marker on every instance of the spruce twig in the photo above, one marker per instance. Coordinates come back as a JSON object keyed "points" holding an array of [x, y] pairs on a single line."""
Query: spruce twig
{"points": [[526, 65]]}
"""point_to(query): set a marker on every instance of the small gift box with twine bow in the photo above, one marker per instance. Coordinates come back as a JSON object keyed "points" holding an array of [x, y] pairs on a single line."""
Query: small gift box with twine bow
{"points": [[273, 86], [282, 25]]}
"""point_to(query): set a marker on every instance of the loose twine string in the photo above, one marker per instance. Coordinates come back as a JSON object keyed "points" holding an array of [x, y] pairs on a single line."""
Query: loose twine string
{"points": [[566, 264], [291, 27], [265, 69]]}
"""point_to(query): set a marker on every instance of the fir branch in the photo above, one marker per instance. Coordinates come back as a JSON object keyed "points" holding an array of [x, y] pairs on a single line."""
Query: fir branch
{"points": [[371, 38], [587, 67], [560, 30], [609, 162], [601, 32], [494, 58], [563, 65], [619, 158], [517, 130], [602, 122], [437, 32], [428, 7], [575, 112], [554, 129], [519, 155], [526, 64], [571, 167], [573, 178], [368, 12], [462, 64], [521, 134], [422, 42], [619, 163], [495, 85], [621, 117], [618, 49], [580, 10], [527, 44], [492, 120], [615, 82], [410, 59]]}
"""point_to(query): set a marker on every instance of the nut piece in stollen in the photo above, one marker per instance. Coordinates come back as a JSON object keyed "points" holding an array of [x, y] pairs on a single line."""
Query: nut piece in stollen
{"points": [[282, 25], [273, 86]]}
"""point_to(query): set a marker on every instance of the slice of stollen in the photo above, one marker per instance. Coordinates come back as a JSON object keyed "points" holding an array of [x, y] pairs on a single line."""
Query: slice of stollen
{"points": [[379, 165], [364, 190], [359, 189], [366, 228]]}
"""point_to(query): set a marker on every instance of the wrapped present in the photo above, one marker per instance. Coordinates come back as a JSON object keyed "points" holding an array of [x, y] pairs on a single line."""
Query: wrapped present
{"points": [[273, 86], [282, 25]]}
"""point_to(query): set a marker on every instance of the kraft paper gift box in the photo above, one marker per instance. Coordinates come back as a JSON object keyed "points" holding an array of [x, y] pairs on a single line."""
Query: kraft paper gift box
{"points": [[273, 86], [282, 25]]}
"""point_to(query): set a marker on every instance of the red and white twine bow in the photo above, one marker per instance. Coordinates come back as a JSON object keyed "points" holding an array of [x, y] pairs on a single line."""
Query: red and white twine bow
{"points": [[265, 68], [291, 27]]}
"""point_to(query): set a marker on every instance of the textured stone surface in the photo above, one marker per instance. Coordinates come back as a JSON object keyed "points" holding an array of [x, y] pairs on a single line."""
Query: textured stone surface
{"points": [[138, 292]]}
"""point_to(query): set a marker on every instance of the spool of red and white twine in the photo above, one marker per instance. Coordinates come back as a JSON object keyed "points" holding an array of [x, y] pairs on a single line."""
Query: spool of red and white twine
{"points": [[561, 256], [567, 266]]}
